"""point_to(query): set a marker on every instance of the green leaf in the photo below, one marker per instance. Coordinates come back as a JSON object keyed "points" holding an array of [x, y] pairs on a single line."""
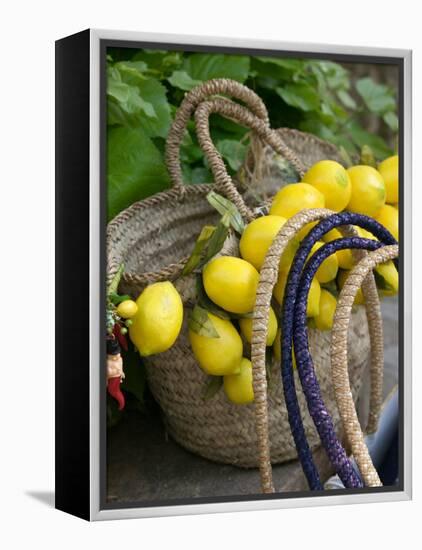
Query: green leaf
{"points": [[378, 98], [293, 65], [135, 168], [199, 248], [114, 285], [227, 208], [347, 161], [361, 137], [201, 174], [206, 303], [160, 61], [154, 92], [346, 99], [391, 120], [129, 99], [212, 386], [201, 66], [181, 79], [200, 323], [302, 96], [367, 157], [217, 240], [233, 151], [116, 299]]}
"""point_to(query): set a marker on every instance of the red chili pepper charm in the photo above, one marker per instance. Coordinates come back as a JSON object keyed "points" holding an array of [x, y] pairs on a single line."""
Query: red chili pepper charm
{"points": [[113, 387]]}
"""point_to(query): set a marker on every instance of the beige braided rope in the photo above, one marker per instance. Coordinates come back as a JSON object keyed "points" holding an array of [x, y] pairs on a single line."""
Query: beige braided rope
{"points": [[267, 280], [243, 116], [190, 102], [339, 362]]}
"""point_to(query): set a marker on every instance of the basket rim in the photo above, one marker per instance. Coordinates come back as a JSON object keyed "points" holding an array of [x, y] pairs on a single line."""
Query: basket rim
{"points": [[173, 270]]}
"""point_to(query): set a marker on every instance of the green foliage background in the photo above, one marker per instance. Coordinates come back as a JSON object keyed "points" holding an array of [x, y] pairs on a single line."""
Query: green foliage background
{"points": [[145, 87]]}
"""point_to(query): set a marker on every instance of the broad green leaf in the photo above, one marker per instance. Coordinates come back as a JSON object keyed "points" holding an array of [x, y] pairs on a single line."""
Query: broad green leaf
{"points": [[391, 120], [378, 98], [227, 208], [181, 79], [135, 168], [200, 66], [116, 299], [129, 99], [335, 75], [200, 323], [163, 62], [233, 151], [346, 99], [301, 96], [212, 386], [289, 64], [153, 92], [201, 175], [131, 66], [361, 137], [199, 248], [190, 152], [217, 239]]}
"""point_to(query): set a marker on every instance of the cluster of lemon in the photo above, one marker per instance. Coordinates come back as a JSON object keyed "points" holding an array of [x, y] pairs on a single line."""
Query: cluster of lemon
{"points": [[231, 282]]}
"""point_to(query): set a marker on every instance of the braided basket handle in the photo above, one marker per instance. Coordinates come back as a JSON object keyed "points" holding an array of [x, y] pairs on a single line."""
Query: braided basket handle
{"points": [[243, 116], [339, 362], [267, 280], [188, 106]]}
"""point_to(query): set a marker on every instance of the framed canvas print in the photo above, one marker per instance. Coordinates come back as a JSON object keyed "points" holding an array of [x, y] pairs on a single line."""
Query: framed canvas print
{"points": [[233, 274]]}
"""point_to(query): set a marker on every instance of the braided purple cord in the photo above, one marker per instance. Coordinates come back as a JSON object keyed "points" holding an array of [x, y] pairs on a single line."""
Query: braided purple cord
{"points": [[291, 289], [309, 381]]}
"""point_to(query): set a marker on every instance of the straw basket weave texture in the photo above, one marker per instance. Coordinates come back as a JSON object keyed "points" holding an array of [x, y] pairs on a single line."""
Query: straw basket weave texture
{"points": [[154, 237]]}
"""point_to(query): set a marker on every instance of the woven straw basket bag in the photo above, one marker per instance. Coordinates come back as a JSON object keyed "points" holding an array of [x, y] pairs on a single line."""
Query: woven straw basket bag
{"points": [[154, 238]]}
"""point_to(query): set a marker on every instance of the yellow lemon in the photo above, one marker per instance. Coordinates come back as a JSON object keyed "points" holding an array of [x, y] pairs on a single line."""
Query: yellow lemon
{"points": [[295, 197], [257, 238], [365, 234], [332, 180], [388, 216], [239, 387], [341, 279], [218, 356], [368, 190], [277, 349], [246, 328], [389, 170], [127, 309], [158, 320], [327, 271], [327, 308], [344, 257], [231, 283], [387, 278], [314, 296]]}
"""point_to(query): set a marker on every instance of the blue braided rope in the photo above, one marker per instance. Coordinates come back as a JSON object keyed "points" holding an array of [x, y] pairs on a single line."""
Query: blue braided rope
{"points": [[294, 415], [316, 406]]}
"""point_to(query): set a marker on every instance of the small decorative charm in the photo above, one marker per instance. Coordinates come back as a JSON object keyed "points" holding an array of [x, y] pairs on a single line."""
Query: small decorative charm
{"points": [[115, 372]]}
